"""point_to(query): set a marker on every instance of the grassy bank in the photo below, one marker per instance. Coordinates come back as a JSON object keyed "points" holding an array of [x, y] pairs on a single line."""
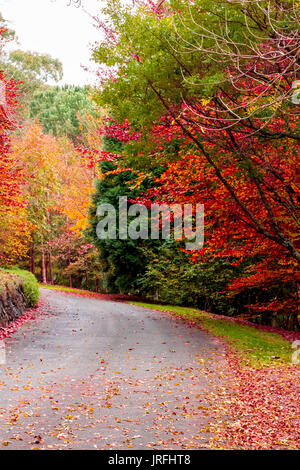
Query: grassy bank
{"points": [[14, 277], [256, 348], [8, 281], [65, 289]]}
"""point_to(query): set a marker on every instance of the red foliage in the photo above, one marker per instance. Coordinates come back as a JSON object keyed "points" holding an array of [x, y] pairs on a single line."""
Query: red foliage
{"points": [[111, 129], [261, 175], [93, 156], [264, 408], [120, 132], [10, 173]]}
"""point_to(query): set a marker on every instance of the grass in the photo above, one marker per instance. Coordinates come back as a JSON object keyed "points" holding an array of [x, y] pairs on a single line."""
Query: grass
{"points": [[12, 278], [64, 288], [256, 348], [30, 285]]}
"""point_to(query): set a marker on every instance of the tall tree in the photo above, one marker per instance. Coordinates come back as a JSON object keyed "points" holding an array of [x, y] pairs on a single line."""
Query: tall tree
{"points": [[58, 110], [30, 70], [39, 155], [14, 228], [217, 80], [155, 76]]}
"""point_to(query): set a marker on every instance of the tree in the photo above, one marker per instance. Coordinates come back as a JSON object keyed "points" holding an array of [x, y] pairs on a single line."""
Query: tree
{"points": [[121, 259], [30, 70], [170, 277], [58, 110], [150, 82], [216, 79], [14, 228], [39, 155]]}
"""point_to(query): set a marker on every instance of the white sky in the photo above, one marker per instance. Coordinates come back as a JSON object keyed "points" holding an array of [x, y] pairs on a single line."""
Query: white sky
{"points": [[52, 27]]}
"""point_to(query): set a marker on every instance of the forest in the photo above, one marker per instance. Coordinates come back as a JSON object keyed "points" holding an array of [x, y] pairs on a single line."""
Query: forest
{"points": [[196, 102]]}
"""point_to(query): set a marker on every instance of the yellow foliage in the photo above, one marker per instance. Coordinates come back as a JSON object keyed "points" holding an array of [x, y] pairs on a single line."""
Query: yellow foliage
{"points": [[14, 235]]}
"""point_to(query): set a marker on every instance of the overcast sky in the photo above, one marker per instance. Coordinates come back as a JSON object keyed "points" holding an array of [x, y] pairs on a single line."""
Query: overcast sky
{"points": [[53, 27]]}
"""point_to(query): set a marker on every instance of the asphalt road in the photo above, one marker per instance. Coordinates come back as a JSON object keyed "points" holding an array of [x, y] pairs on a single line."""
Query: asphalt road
{"points": [[95, 374]]}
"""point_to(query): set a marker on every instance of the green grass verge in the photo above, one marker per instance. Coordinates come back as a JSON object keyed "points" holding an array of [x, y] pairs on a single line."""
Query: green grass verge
{"points": [[256, 348], [13, 277], [65, 289]]}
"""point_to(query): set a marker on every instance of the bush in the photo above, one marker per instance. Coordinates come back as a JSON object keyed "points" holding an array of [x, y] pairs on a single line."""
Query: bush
{"points": [[8, 281], [170, 277], [30, 285]]}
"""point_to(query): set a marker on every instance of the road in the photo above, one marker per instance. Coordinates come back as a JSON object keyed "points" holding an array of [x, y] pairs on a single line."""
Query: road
{"points": [[88, 373]]}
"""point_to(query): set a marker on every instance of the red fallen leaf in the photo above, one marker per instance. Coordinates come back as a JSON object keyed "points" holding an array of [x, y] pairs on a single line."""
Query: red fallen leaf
{"points": [[263, 409], [29, 315], [38, 439]]}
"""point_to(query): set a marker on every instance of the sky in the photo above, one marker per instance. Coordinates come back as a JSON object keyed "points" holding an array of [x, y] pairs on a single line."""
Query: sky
{"points": [[52, 27]]}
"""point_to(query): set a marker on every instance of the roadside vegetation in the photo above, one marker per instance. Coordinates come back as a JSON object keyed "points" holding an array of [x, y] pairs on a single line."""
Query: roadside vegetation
{"points": [[13, 278]]}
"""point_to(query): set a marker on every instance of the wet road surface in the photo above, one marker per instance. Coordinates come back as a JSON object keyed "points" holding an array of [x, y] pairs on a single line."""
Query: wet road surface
{"points": [[94, 374]]}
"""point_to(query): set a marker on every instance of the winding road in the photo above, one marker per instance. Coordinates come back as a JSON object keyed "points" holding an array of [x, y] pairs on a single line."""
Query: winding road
{"points": [[88, 373]]}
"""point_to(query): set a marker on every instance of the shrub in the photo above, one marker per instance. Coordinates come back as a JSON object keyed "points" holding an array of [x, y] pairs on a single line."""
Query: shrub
{"points": [[29, 281]]}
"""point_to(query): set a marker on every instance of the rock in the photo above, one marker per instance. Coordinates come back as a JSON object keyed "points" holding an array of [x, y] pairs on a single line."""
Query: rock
{"points": [[12, 305]]}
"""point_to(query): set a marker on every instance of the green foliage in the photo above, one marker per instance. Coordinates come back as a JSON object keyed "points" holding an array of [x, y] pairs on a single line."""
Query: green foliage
{"points": [[57, 109], [31, 70], [122, 259], [30, 286], [37, 67], [29, 282], [139, 35], [157, 68], [171, 277]]}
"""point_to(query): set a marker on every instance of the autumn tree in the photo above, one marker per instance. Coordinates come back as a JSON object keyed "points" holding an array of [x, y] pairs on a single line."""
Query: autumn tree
{"points": [[39, 155], [58, 194], [14, 227], [152, 81], [219, 79]]}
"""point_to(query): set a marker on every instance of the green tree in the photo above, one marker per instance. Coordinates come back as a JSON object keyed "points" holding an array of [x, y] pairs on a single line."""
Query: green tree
{"points": [[172, 278], [31, 69], [164, 58], [58, 108], [122, 260]]}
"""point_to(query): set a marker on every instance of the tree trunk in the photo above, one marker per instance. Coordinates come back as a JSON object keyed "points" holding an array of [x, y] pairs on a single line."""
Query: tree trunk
{"points": [[44, 272], [32, 260], [50, 268], [70, 275], [46, 265]]}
